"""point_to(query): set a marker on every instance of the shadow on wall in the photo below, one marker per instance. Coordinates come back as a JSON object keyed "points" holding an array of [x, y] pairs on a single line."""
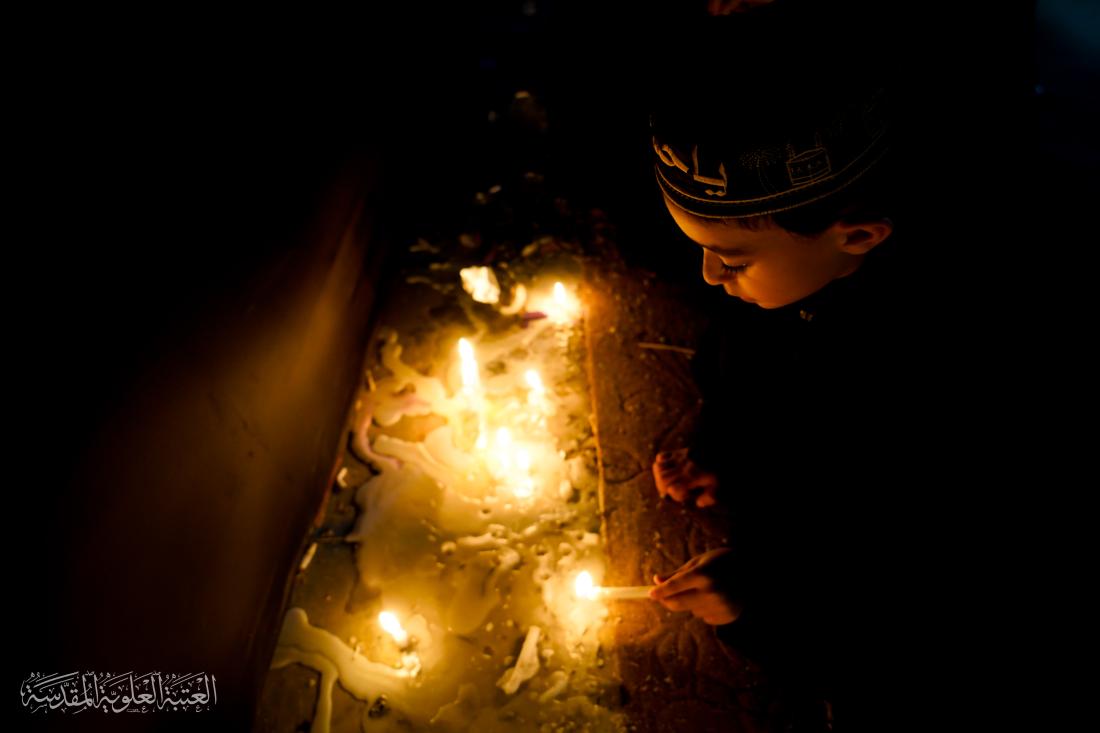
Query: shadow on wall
{"points": [[193, 323]]}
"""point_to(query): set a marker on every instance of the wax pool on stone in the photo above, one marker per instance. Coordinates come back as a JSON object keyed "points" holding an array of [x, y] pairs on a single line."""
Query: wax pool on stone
{"points": [[477, 531]]}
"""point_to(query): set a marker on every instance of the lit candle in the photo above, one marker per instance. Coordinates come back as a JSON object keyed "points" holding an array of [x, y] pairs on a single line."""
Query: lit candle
{"points": [[471, 386], [626, 592], [534, 381], [523, 485], [536, 395], [513, 465], [523, 460], [388, 621], [563, 306], [560, 298], [503, 444], [471, 380], [585, 588]]}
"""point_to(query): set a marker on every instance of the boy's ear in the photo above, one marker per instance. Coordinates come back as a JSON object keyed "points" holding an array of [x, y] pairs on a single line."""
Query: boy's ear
{"points": [[859, 238]]}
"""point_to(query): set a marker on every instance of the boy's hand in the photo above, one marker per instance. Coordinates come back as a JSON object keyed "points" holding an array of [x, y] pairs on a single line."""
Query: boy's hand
{"points": [[701, 586], [678, 478]]}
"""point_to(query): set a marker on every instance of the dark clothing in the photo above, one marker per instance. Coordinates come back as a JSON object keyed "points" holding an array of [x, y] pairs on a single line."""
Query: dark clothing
{"points": [[806, 420]]}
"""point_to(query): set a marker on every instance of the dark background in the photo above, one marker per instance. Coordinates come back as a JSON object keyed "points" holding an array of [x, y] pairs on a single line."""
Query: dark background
{"points": [[205, 209]]}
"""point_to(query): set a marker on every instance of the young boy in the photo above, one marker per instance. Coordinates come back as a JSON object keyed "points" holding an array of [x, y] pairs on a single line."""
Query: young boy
{"points": [[773, 143]]}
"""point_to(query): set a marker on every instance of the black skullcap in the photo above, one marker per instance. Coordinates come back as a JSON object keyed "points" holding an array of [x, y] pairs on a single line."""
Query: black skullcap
{"points": [[767, 111]]}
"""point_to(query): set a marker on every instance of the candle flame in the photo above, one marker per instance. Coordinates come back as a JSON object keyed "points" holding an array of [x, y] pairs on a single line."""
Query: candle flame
{"points": [[470, 378], [388, 621], [563, 306], [584, 587], [534, 381]]}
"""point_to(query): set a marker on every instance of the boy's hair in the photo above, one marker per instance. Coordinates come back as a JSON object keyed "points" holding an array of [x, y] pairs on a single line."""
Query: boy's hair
{"points": [[776, 116]]}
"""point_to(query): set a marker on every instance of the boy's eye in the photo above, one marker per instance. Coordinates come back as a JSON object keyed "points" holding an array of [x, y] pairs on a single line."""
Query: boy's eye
{"points": [[733, 268]]}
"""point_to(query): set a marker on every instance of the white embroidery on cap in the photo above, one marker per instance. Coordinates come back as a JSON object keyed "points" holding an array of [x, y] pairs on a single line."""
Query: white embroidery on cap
{"points": [[668, 156], [809, 165], [721, 181]]}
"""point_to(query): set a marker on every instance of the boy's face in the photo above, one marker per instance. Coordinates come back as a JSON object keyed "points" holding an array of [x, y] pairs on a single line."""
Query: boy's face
{"points": [[768, 267]]}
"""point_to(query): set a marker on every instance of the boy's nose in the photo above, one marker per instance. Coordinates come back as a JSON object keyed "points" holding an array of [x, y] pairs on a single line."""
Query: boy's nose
{"points": [[713, 274]]}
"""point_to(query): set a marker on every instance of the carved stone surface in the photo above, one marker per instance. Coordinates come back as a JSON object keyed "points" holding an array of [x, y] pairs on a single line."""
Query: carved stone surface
{"points": [[676, 674]]}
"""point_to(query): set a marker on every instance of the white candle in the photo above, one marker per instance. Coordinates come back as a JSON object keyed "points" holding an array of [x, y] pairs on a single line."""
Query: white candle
{"points": [[585, 588], [471, 387], [626, 592], [471, 380]]}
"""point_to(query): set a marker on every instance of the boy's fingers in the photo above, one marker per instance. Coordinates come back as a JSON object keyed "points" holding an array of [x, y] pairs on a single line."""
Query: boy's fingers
{"points": [[677, 490], [685, 601], [660, 481], [679, 583], [684, 569], [661, 489], [709, 497]]}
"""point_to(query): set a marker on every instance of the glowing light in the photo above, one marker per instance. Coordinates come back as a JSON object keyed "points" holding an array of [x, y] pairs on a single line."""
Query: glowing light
{"points": [[392, 626], [563, 306], [524, 489], [511, 465], [502, 452], [534, 381], [471, 387], [536, 395], [471, 380], [523, 460], [584, 587], [481, 283]]}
